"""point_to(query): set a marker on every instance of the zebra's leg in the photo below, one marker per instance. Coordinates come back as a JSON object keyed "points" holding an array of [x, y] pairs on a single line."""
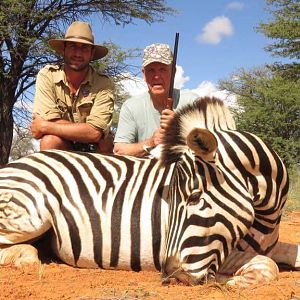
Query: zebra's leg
{"points": [[288, 254], [243, 269], [19, 224], [18, 255]]}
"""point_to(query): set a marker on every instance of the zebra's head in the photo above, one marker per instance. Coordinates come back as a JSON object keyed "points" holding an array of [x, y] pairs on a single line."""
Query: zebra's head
{"points": [[209, 207]]}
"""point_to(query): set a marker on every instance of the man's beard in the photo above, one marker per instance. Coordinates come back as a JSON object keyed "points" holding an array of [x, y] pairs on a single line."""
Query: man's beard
{"points": [[77, 67]]}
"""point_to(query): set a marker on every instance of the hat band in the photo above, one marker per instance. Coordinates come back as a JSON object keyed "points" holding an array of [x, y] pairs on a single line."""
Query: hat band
{"points": [[79, 37]]}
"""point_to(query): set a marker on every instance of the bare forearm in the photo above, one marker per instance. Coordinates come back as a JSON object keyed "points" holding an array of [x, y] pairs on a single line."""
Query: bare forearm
{"points": [[135, 149], [79, 132]]}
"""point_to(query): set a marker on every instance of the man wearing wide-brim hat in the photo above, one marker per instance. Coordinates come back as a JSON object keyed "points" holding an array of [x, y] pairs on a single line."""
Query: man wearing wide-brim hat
{"points": [[73, 103]]}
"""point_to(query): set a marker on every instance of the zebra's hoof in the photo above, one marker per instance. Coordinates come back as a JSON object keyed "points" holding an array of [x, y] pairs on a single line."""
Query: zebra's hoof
{"points": [[19, 255]]}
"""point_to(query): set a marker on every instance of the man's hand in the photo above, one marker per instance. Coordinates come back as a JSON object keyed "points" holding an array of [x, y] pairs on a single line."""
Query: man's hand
{"points": [[165, 119], [169, 104], [167, 116], [158, 136], [37, 125]]}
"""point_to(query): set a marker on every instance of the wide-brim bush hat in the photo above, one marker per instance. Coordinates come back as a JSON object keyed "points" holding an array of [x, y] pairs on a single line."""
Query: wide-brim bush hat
{"points": [[79, 32]]}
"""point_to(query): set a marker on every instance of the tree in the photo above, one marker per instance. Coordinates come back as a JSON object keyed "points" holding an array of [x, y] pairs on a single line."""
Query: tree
{"points": [[285, 30], [114, 65], [25, 28], [268, 97], [268, 105], [22, 143]]}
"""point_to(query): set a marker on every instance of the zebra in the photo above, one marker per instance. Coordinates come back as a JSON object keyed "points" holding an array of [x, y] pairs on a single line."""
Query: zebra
{"points": [[207, 236], [208, 209]]}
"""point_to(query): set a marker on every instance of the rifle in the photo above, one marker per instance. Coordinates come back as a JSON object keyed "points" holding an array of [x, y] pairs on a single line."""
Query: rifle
{"points": [[170, 100]]}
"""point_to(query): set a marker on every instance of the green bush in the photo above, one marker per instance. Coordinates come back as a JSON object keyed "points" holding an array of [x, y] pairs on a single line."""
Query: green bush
{"points": [[293, 202]]}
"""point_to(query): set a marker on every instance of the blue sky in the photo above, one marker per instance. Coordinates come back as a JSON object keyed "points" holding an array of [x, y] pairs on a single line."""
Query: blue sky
{"points": [[217, 37]]}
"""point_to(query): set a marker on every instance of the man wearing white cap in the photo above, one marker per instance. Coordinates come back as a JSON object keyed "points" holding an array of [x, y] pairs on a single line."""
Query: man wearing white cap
{"points": [[73, 103], [143, 118]]}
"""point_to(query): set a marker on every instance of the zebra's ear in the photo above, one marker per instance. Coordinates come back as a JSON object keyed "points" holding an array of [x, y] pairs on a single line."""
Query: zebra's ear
{"points": [[202, 142]]}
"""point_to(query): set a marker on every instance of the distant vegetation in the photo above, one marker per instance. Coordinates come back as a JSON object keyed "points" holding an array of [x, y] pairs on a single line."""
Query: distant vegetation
{"points": [[293, 202], [268, 96]]}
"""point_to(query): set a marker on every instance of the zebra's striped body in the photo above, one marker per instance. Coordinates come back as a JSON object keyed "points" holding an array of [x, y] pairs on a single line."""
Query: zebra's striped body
{"points": [[104, 213], [215, 195]]}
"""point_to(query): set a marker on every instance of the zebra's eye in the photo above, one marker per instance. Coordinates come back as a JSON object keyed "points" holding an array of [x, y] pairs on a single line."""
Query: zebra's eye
{"points": [[194, 199]]}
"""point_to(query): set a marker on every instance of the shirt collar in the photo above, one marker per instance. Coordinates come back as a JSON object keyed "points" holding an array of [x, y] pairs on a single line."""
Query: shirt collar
{"points": [[61, 76]]}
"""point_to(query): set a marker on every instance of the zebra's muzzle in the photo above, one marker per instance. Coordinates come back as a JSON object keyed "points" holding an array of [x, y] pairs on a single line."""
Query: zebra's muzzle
{"points": [[172, 269]]}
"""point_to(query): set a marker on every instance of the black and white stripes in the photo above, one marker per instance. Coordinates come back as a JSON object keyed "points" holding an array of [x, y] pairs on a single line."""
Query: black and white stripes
{"points": [[100, 207], [215, 190], [226, 198]]}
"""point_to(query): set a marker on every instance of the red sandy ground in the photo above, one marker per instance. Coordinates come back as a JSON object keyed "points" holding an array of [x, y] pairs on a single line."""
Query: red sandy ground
{"points": [[58, 281]]}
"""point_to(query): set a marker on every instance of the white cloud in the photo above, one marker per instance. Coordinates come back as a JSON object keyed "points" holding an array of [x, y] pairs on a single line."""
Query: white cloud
{"points": [[207, 88], [215, 30], [236, 5], [180, 79], [133, 85]]}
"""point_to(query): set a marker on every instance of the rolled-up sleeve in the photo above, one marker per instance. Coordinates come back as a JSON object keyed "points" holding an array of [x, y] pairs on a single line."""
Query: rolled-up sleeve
{"points": [[101, 113], [44, 100]]}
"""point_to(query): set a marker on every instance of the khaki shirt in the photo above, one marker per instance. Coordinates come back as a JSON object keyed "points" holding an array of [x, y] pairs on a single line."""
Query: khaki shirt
{"points": [[92, 104]]}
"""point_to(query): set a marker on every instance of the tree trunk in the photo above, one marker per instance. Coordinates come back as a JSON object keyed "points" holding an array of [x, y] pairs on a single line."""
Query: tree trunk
{"points": [[6, 130]]}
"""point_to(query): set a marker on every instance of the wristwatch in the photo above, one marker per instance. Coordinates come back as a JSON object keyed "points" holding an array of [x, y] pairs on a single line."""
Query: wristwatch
{"points": [[148, 148]]}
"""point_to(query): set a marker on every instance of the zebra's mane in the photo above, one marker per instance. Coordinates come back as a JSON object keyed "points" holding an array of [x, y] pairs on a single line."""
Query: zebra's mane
{"points": [[206, 112]]}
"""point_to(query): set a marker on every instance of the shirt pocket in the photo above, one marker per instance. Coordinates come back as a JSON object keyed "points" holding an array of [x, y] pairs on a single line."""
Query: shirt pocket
{"points": [[84, 110], [63, 109]]}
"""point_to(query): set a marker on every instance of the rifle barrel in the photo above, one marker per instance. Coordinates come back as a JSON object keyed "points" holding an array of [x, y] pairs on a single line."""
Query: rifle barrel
{"points": [[174, 65]]}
